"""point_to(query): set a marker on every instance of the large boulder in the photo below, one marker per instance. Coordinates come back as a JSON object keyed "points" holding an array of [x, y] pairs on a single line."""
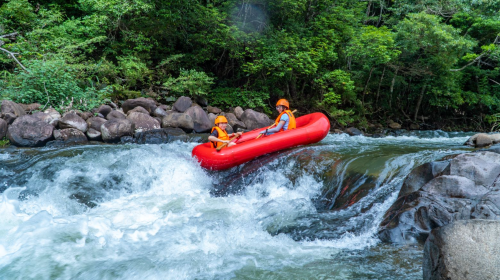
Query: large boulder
{"points": [[160, 136], [463, 250], [200, 119], [481, 140], [213, 110], [29, 131], [9, 117], [435, 195], [104, 110], [116, 115], [3, 129], [211, 118], [234, 122], [180, 120], [95, 123], [143, 122], [254, 120], [70, 135], [238, 112], [54, 116], [148, 104], [114, 129], [72, 120], [182, 104], [159, 112], [94, 135], [138, 109], [12, 108]]}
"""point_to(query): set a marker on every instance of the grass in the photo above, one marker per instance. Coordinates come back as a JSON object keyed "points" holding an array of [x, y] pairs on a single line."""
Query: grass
{"points": [[4, 142]]}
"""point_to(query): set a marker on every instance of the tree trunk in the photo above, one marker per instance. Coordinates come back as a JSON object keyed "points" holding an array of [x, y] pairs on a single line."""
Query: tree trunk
{"points": [[392, 86], [379, 85], [419, 102], [366, 86]]}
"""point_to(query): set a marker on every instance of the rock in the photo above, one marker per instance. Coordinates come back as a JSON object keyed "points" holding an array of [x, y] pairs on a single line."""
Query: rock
{"points": [[127, 140], [352, 131], [9, 117], [160, 136], [29, 131], [54, 116], [238, 112], [182, 104], [146, 103], [438, 193], [463, 250], [31, 107], [95, 123], [202, 101], [165, 107], [213, 110], [254, 120], [414, 126], [3, 128], [94, 135], [200, 119], [480, 140], [143, 122], [337, 131], [495, 138], [234, 122], [70, 135], [159, 112], [104, 110], [86, 115], [116, 115], [72, 120], [180, 120], [394, 125], [13, 108], [138, 109], [211, 118], [114, 129]]}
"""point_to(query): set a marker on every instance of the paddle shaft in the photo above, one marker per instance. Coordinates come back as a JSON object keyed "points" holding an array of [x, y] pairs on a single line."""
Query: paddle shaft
{"points": [[225, 144], [293, 112]]}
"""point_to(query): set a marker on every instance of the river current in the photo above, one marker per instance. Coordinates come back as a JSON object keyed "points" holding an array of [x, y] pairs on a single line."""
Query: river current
{"points": [[151, 212]]}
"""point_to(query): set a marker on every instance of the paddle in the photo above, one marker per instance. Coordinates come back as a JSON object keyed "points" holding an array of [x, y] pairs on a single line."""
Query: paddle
{"points": [[225, 144], [293, 112]]}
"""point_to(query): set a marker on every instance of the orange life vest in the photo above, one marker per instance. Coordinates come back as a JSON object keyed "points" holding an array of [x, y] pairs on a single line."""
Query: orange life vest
{"points": [[291, 122], [222, 136]]}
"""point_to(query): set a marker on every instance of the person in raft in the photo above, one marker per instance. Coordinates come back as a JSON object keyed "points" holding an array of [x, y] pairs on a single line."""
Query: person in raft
{"points": [[284, 121], [219, 135]]}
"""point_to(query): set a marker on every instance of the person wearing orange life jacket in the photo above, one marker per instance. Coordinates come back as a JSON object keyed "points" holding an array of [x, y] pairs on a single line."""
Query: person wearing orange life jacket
{"points": [[285, 120], [219, 135]]}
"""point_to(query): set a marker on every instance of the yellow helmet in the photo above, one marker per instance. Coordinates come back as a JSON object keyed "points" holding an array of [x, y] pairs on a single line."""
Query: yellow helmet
{"points": [[220, 119], [283, 102]]}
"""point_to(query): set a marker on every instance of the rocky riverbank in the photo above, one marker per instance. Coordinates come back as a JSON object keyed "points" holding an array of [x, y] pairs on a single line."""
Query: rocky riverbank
{"points": [[141, 120]]}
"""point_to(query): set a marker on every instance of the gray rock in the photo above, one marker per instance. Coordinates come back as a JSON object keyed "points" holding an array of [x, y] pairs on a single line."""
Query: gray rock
{"points": [[352, 131], [114, 129], [70, 135], [200, 119], [202, 101], [104, 110], [116, 115], [165, 107], [254, 120], [31, 107], [159, 112], [95, 123], [54, 116], [12, 108], [234, 122], [394, 125], [180, 120], [482, 167], [160, 136], [238, 112], [72, 120], [86, 115], [211, 118], [138, 109], [182, 104], [488, 207], [463, 250], [143, 122], [146, 103], [29, 131], [9, 117], [454, 186], [482, 140], [213, 110], [414, 126], [94, 135], [3, 128]]}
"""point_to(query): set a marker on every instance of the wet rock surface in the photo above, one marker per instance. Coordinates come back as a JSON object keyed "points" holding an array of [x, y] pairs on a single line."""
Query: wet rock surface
{"points": [[29, 131]]}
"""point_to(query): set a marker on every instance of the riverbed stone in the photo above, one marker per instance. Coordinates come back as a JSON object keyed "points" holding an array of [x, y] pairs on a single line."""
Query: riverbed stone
{"points": [[95, 123], [86, 115], [180, 120], [72, 120], [94, 135], [414, 126], [234, 122], [116, 115], [55, 116], [143, 122], [159, 112], [146, 103], [29, 131], [114, 129], [213, 110], [70, 135], [212, 117], [463, 250], [200, 119], [481, 140], [9, 117], [12, 108], [138, 109], [3, 128], [394, 125], [104, 110], [352, 131], [238, 112], [254, 120], [182, 104], [31, 107], [160, 136]]}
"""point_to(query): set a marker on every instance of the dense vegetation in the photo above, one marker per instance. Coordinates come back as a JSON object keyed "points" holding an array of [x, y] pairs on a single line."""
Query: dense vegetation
{"points": [[432, 61]]}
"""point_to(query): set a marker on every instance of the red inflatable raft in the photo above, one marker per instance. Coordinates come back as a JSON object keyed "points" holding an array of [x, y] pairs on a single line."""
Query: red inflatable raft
{"points": [[310, 129]]}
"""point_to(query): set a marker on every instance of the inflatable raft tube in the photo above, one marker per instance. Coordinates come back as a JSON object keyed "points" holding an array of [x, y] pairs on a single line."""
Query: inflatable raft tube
{"points": [[310, 129]]}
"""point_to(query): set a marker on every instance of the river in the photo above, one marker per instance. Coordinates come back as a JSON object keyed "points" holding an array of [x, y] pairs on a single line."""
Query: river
{"points": [[151, 212]]}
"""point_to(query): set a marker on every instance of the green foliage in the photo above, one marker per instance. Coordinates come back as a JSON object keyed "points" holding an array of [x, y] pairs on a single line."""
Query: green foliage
{"points": [[4, 142], [190, 82], [52, 83], [232, 97]]}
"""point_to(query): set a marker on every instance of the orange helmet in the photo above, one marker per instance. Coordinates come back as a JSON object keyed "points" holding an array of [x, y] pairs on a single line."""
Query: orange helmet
{"points": [[283, 102], [220, 119]]}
